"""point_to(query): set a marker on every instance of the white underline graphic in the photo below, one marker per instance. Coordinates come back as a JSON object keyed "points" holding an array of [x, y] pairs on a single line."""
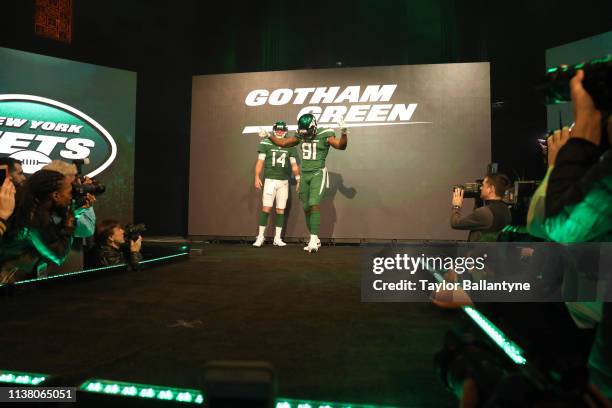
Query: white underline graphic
{"points": [[256, 129]]}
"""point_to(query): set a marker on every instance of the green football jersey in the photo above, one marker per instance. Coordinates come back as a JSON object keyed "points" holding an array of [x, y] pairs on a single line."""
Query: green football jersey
{"points": [[314, 152], [277, 165]]}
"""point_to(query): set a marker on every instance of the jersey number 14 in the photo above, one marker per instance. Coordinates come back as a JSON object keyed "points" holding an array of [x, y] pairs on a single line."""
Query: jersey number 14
{"points": [[280, 160]]}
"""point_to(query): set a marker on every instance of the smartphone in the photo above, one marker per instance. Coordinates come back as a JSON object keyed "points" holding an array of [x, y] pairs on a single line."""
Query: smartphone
{"points": [[4, 172]]}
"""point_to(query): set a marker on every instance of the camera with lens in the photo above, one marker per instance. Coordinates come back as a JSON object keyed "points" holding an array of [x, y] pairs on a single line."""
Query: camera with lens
{"points": [[134, 231], [597, 82], [94, 188], [80, 191], [470, 190]]}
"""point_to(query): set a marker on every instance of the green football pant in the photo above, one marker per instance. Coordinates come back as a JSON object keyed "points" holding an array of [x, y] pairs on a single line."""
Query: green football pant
{"points": [[312, 184]]}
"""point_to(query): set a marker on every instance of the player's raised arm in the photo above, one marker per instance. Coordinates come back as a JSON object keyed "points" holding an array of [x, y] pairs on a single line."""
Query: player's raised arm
{"points": [[285, 142], [341, 143]]}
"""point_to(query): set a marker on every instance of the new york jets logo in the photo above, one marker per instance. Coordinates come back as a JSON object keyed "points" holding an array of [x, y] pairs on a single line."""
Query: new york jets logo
{"points": [[36, 130]]}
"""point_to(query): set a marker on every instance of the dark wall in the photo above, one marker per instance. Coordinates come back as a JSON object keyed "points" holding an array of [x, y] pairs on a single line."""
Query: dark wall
{"points": [[168, 41]]}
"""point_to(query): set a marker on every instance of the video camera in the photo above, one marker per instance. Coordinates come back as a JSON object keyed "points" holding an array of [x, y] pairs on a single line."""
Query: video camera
{"points": [[470, 190], [134, 231], [597, 82]]}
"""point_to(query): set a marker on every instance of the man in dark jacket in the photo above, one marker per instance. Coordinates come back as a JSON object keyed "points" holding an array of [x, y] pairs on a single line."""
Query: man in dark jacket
{"points": [[485, 222], [110, 244]]}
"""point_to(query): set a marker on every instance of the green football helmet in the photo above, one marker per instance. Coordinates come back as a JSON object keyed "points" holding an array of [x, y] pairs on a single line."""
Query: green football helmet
{"points": [[307, 126], [280, 129]]}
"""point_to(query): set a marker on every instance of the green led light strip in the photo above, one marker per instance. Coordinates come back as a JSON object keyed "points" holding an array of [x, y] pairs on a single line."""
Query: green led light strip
{"points": [[62, 275], [289, 403], [152, 392], [17, 377], [157, 392], [162, 258], [509, 347]]}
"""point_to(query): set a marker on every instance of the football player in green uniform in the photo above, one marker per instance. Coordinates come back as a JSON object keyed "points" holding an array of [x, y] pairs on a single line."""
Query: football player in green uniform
{"points": [[315, 145], [278, 162]]}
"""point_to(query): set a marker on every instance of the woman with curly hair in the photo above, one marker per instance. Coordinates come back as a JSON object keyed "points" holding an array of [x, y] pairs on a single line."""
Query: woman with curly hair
{"points": [[41, 228]]}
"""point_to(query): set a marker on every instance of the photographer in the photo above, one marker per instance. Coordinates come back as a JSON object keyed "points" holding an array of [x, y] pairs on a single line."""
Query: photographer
{"points": [[15, 171], [111, 245], [85, 215], [485, 222], [7, 203], [578, 204], [41, 228]]}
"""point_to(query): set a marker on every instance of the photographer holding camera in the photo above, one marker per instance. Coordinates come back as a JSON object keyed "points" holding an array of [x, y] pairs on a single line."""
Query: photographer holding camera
{"points": [[111, 246], [7, 203], [15, 171], [41, 228], [84, 213], [577, 203], [485, 222]]}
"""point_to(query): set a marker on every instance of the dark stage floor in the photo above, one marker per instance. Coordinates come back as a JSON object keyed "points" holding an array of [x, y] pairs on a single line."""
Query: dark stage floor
{"points": [[301, 312]]}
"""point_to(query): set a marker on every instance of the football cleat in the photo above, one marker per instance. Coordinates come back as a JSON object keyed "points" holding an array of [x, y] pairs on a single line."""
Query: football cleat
{"points": [[259, 241], [313, 245], [318, 243], [279, 242]]}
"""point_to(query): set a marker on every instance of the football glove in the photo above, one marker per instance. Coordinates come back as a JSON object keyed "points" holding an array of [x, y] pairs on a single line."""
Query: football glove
{"points": [[263, 133], [342, 126]]}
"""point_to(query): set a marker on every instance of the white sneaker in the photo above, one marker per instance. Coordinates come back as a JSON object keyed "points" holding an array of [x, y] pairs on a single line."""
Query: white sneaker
{"points": [[279, 242], [259, 241]]}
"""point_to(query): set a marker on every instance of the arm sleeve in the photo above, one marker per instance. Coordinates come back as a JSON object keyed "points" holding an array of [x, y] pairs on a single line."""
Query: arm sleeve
{"points": [[135, 258], [565, 186], [85, 224], [327, 133], [537, 209], [54, 246], [480, 219], [579, 197], [585, 221], [262, 148], [261, 156]]}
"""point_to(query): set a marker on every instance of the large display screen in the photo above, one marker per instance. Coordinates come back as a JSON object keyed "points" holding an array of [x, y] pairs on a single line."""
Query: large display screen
{"points": [[53, 108], [415, 131]]}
